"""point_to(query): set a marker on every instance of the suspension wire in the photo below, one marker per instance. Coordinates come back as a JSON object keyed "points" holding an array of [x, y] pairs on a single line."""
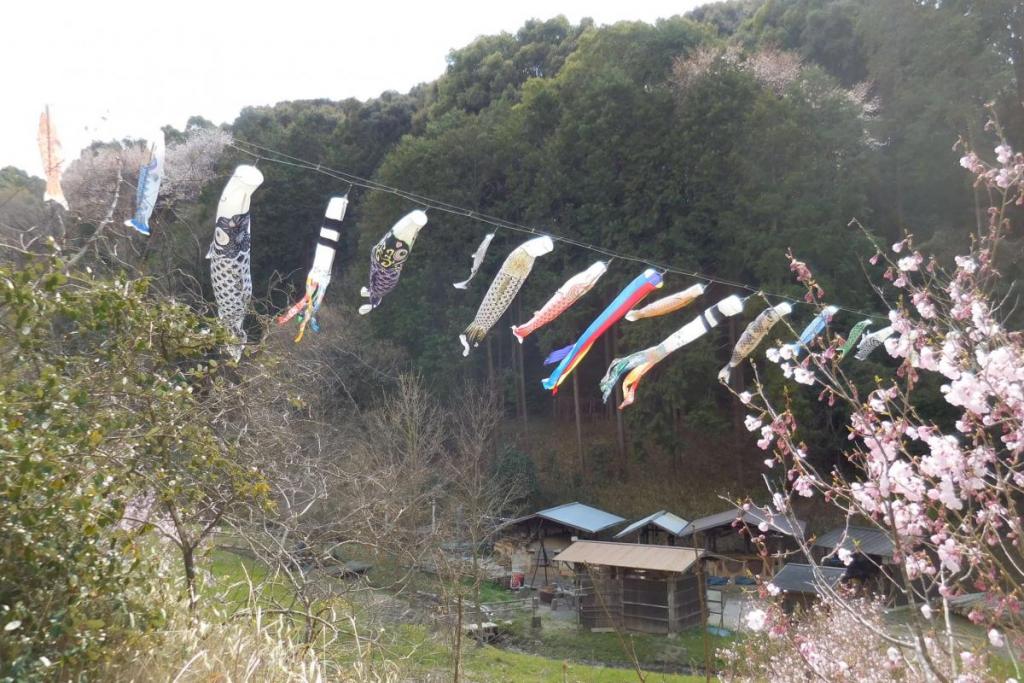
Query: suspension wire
{"points": [[263, 153]]}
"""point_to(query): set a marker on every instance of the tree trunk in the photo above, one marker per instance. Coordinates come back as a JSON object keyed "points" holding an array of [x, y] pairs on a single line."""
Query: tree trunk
{"points": [[490, 362], [609, 408], [500, 355], [457, 654], [579, 426], [620, 432], [621, 435], [735, 379], [521, 373], [188, 558], [476, 592], [677, 432], [188, 548], [514, 361]]}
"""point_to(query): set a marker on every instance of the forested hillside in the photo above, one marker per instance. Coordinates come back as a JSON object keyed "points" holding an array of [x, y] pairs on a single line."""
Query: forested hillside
{"points": [[711, 142]]}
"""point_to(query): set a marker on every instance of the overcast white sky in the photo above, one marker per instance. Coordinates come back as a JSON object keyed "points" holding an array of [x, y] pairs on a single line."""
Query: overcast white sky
{"points": [[114, 68]]}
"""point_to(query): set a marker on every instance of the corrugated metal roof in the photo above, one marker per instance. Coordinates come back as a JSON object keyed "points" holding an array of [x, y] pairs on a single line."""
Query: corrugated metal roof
{"points": [[752, 517], [799, 578], [665, 521], [665, 558], [857, 539], [577, 516]]}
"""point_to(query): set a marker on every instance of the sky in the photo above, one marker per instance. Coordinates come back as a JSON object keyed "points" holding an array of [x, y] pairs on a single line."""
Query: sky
{"points": [[111, 69]]}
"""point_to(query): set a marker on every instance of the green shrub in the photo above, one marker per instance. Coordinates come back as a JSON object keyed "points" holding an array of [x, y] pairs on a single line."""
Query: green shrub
{"points": [[101, 390]]}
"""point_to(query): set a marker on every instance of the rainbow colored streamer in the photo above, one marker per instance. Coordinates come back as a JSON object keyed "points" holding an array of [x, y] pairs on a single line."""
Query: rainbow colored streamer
{"points": [[635, 291]]}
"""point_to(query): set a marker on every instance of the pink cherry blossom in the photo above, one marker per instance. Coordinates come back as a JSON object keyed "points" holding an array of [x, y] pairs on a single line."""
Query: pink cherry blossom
{"points": [[966, 264], [756, 620], [803, 375], [1004, 154], [942, 482], [804, 485], [924, 305], [996, 638], [910, 263]]}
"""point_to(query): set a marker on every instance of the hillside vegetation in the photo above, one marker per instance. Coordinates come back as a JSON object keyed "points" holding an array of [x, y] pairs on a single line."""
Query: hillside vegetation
{"points": [[712, 143]]}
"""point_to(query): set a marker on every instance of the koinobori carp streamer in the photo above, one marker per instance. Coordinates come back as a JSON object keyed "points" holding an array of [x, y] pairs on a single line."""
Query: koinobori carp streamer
{"points": [[667, 304], [148, 188], [229, 252], [642, 285], [813, 329], [640, 363], [855, 333], [752, 336], [872, 341], [478, 258], [319, 275], [52, 157], [503, 289], [388, 257], [566, 295]]}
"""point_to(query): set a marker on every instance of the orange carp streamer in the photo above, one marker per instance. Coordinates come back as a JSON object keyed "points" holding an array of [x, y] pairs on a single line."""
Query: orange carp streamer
{"points": [[667, 304], [50, 152], [568, 294]]}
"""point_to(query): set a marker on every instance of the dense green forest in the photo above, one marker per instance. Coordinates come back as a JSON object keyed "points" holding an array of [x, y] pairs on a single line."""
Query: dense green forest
{"points": [[710, 142]]}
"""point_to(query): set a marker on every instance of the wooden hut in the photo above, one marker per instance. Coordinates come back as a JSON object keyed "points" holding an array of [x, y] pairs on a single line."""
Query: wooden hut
{"points": [[532, 542], [642, 588], [661, 528], [799, 585], [732, 553]]}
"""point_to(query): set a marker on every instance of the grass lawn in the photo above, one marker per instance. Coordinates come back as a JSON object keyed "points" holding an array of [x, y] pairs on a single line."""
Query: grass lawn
{"points": [[561, 639], [387, 577], [232, 574], [492, 664], [421, 654], [492, 591]]}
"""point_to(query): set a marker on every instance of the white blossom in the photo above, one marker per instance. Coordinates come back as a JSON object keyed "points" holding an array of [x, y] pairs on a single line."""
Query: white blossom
{"points": [[756, 620]]}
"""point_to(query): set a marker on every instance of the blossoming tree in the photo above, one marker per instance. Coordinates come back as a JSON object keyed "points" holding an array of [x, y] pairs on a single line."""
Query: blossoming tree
{"points": [[945, 486]]}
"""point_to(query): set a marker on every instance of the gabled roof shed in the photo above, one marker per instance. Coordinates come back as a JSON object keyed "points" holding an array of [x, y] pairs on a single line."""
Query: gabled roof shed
{"points": [[575, 515], [666, 521]]}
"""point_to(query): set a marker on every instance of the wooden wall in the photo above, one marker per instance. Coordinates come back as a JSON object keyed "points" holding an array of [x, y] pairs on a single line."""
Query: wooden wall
{"points": [[638, 600]]}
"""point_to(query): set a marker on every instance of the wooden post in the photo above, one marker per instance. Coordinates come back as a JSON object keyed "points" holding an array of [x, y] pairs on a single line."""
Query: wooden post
{"points": [[671, 583], [577, 584], [621, 575], [702, 592]]}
